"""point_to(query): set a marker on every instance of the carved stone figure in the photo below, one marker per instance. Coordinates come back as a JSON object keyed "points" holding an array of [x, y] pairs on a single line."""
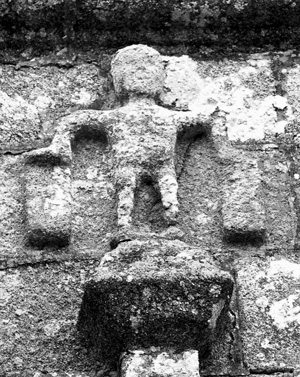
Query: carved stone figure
{"points": [[142, 134]]}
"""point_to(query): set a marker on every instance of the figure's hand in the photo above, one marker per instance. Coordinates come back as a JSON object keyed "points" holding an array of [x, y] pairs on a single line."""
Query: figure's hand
{"points": [[53, 155], [193, 123]]}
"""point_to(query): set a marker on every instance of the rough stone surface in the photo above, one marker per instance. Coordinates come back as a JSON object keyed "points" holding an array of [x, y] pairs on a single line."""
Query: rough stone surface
{"points": [[48, 205], [38, 313], [155, 293], [160, 363], [269, 295]]}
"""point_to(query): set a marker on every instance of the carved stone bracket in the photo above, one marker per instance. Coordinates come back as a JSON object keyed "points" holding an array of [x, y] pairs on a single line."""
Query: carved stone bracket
{"points": [[155, 293]]}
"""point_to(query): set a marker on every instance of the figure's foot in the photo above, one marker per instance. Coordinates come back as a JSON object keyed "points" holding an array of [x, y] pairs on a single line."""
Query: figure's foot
{"points": [[123, 234], [130, 233]]}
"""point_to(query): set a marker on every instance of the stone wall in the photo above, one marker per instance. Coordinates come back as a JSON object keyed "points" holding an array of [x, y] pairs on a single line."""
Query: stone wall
{"points": [[238, 184]]}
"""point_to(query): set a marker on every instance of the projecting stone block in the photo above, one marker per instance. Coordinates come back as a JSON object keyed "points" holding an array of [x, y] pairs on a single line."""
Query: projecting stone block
{"points": [[155, 293], [48, 205], [159, 362], [242, 208]]}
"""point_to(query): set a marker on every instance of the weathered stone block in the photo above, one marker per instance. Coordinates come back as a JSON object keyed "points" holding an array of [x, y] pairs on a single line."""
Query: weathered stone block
{"points": [[159, 362], [155, 293], [242, 208], [48, 205]]}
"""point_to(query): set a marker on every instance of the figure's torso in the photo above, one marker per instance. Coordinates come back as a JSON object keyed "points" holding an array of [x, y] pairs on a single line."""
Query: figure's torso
{"points": [[144, 136]]}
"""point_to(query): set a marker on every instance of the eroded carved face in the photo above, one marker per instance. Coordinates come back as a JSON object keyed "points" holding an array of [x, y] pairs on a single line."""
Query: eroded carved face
{"points": [[138, 69]]}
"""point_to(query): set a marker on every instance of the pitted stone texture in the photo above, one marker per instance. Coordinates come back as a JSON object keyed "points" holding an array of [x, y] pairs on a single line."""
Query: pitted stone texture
{"points": [[269, 303], [19, 120], [243, 211], [48, 205], [138, 69], [32, 99], [292, 87], [156, 362], [11, 208], [281, 206], [155, 293]]}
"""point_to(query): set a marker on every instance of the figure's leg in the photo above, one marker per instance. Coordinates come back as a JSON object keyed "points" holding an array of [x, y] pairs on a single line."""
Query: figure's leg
{"points": [[168, 186], [126, 182]]}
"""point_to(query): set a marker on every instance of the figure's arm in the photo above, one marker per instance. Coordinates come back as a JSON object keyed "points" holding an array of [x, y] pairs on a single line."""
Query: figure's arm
{"points": [[193, 123], [59, 151]]}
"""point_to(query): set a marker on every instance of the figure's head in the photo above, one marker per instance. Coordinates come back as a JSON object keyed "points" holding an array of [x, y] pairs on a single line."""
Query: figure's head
{"points": [[139, 70]]}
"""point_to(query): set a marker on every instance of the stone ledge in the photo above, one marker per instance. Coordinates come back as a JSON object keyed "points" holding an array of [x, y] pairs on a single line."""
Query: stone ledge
{"points": [[114, 22]]}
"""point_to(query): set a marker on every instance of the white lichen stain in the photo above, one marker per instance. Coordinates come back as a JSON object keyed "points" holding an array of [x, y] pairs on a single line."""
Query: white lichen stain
{"points": [[284, 267], [16, 116], [284, 312], [280, 102], [43, 102], [262, 302], [81, 97], [186, 365], [247, 117], [16, 108], [184, 255], [13, 281], [202, 218], [136, 363], [153, 362], [249, 70], [92, 172], [181, 87]]}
